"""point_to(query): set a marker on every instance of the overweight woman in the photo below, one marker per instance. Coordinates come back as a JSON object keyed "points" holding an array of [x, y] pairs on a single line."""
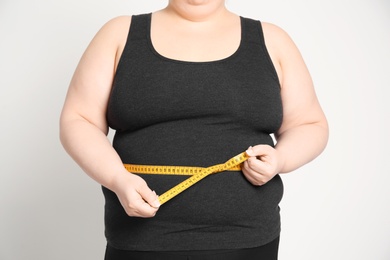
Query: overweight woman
{"points": [[192, 85]]}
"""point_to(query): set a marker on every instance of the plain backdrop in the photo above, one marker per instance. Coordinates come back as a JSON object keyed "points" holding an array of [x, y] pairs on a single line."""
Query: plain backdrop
{"points": [[337, 207]]}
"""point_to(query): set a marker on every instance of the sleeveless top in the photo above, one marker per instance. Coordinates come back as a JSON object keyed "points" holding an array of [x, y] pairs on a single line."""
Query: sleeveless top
{"points": [[172, 112]]}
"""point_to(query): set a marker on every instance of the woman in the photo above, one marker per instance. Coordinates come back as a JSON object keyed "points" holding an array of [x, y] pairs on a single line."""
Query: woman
{"points": [[192, 85]]}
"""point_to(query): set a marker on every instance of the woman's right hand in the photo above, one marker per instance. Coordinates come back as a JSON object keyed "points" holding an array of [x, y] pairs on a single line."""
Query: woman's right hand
{"points": [[137, 199]]}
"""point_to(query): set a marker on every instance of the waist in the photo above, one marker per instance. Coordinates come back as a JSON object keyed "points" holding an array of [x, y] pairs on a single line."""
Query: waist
{"points": [[164, 146], [197, 173], [223, 207]]}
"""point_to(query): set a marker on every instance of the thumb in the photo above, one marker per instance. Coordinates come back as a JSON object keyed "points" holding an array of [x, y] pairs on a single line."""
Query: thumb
{"points": [[250, 151], [257, 150], [150, 197]]}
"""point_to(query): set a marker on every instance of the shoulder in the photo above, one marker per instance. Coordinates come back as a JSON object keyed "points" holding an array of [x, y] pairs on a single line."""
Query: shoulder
{"points": [[277, 38], [284, 53], [111, 37], [273, 29], [118, 21], [115, 28], [279, 43]]}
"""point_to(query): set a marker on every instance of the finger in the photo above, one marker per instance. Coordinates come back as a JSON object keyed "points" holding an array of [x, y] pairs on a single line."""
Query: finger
{"points": [[143, 209], [265, 156], [258, 150], [257, 165], [149, 196], [253, 177]]}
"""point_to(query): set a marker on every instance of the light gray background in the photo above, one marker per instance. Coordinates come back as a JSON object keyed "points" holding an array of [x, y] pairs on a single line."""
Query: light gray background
{"points": [[337, 207]]}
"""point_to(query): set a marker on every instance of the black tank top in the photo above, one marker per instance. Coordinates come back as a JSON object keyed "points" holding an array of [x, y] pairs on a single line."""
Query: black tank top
{"points": [[172, 112]]}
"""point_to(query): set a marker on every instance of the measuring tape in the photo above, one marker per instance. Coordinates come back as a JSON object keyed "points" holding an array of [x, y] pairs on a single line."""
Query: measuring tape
{"points": [[198, 173]]}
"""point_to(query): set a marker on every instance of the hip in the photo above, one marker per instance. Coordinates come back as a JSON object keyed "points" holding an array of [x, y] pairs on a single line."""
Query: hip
{"points": [[223, 210]]}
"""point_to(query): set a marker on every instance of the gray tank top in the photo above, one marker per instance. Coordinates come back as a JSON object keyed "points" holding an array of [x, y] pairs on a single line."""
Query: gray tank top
{"points": [[172, 112]]}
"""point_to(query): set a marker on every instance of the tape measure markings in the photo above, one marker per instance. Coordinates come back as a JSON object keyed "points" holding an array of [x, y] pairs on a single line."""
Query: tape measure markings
{"points": [[198, 173], [170, 170]]}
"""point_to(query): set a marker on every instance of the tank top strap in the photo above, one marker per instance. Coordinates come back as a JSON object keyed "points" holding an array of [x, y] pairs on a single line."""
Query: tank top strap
{"points": [[253, 32], [139, 27]]}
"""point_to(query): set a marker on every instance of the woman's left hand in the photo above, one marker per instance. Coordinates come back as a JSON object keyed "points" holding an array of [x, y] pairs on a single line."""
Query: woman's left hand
{"points": [[263, 164]]}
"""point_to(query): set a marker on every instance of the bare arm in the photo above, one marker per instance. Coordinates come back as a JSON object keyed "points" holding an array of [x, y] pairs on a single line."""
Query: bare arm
{"points": [[83, 126], [304, 131]]}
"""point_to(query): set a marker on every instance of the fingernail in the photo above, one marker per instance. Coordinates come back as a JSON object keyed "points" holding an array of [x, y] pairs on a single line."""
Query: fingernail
{"points": [[249, 151], [156, 203]]}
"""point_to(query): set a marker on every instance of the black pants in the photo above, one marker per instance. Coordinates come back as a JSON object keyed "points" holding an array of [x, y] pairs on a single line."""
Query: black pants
{"points": [[265, 252]]}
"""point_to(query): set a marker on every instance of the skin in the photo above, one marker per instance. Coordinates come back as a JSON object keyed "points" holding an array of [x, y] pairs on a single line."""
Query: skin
{"points": [[198, 24]]}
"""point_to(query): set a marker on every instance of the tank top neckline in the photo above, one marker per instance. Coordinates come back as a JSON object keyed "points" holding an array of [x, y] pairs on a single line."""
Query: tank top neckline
{"points": [[160, 56]]}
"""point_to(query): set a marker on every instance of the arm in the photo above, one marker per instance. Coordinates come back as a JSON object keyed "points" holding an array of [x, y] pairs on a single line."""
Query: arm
{"points": [[83, 126], [304, 131]]}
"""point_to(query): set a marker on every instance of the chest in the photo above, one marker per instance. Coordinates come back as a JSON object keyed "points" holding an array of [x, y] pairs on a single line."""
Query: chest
{"points": [[238, 90]]}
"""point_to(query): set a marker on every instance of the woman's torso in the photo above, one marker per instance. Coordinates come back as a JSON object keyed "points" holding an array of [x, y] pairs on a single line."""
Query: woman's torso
{"points": [[173, 112]]}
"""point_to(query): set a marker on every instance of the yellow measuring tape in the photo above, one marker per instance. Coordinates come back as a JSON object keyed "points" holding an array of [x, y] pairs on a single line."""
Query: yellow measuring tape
{"points": [[198, 173]]}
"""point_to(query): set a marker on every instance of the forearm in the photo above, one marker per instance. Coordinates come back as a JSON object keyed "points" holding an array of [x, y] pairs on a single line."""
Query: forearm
{"points": [[299, 145], [91, 150]]}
